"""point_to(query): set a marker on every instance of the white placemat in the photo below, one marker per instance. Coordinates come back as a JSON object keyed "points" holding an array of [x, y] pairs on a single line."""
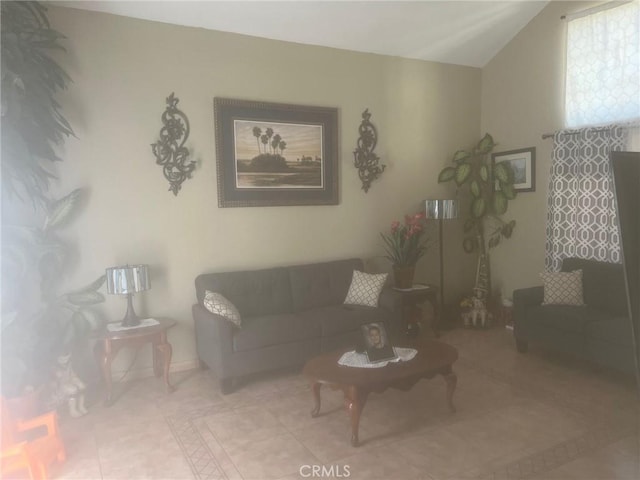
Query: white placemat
{"points": [[146, 322], [360, 360]]}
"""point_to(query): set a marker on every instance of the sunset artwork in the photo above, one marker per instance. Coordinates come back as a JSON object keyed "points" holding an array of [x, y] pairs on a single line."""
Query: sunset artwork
{"points": [[277, 155]]}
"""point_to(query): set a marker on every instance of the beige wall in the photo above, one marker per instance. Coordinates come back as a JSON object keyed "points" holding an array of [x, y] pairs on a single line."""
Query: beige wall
{"points": [[522, 98], [122, 71]]}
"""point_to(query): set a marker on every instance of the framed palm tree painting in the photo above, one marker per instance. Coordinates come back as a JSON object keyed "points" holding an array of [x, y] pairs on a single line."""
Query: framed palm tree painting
{"points": [[272, 154]]}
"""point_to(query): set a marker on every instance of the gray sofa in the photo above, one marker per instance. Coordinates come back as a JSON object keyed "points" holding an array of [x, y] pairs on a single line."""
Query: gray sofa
{"points": [[289, 314], [600, 331]]}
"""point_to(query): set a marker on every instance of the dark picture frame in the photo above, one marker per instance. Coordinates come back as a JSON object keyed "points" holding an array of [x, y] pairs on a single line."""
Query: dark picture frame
{"points": [[274, 154], [376, 341], [523, 165]]}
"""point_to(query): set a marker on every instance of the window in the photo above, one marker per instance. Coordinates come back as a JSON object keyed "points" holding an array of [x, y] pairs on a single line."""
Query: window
{"points": [[603, 65]]}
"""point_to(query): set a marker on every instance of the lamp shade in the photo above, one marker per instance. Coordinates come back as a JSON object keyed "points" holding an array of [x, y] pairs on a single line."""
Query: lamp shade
{"points": [[127, 279], [441, 209]]}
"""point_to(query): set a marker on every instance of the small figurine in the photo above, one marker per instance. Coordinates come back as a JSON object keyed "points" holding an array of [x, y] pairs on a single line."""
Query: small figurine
{"points": [[69, 387], [466, 319], [479, 312]]}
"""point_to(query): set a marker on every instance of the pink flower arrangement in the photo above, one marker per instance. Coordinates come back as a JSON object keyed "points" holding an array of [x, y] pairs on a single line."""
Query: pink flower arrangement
{"points": [[405, 245]]}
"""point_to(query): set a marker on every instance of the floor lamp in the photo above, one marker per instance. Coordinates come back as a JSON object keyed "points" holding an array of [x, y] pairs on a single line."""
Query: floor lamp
{"points": [[441, 210]]}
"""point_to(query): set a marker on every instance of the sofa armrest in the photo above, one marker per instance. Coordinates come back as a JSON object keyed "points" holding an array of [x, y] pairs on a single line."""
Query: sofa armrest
{"points": [[524, 299], [214, 338], [528, 297]]}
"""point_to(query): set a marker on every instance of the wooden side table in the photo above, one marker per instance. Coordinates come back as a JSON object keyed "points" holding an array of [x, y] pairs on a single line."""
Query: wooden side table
{"points": [[110, 343], [411, 309]]}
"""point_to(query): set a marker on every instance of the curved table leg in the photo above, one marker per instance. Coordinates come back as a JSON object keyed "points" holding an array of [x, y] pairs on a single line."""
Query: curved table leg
{"points": [[315, 388], [355, 400], [436, 315], [103, 355], [166, 351], [452, 380], [157, 363]]}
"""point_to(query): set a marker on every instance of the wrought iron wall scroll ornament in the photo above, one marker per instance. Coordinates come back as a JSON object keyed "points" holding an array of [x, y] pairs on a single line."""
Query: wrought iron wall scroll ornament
{"points": [[169, 150], [365, 160]]}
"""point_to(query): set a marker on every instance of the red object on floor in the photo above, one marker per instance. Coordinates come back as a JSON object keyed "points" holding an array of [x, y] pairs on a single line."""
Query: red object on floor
{"points": [[29, 446]]}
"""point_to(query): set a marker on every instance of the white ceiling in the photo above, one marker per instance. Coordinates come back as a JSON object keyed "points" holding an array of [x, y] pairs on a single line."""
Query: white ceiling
{"points": [[459, 32]]}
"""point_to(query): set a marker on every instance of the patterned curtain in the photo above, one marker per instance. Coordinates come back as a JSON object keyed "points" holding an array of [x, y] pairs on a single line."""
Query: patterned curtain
{"points": [[581, 213]]}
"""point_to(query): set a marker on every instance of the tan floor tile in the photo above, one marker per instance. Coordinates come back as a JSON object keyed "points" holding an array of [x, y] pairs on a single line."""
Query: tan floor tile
{"points": [[88, 470], [537, 424], [294, 411], [222, 459], [512, 411], [130, 400], [140, 450], [272, 458], [440, 453], [82, 456], [377, 463], [630, 445], [391, 422], [238, 428], [329, 438], [187, 400], [241, 398], [615, 461]]}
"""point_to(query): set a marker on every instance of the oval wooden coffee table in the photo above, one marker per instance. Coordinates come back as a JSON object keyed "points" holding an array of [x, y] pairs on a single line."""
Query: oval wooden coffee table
{"points": [[433, 358]]}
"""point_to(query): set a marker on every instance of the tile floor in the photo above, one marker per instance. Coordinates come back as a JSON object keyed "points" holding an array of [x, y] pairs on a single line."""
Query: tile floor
{"points": [[536, 416]]}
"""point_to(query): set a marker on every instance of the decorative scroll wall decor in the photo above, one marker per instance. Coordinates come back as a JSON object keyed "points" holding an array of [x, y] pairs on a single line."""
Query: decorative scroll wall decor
{"points": [[169, 150], [365, 160]]}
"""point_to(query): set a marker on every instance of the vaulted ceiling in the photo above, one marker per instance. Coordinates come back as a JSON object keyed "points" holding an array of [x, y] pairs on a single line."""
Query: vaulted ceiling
{"points": [[458, 32]]}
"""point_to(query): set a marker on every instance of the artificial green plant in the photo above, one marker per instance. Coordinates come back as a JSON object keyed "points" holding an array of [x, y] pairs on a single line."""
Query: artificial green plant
{"points": [[37, 322], [490, 189]]}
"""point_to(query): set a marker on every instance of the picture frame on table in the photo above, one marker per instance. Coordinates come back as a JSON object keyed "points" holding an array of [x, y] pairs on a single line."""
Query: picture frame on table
{"points": [[377, 344], [274, 154], [523, 165]]}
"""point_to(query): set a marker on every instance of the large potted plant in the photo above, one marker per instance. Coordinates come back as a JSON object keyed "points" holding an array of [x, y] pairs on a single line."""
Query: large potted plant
{"points": [[490, 190], [404, 246], [38, 323]]}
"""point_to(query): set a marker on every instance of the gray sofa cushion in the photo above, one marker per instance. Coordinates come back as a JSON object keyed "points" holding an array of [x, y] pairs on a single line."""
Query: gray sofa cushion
{"points": [[321, 284], [612, 355], [260, 332], [561, 317], [616, 330], [337, 319], [254, 293], [602, 284], [559, 340]]}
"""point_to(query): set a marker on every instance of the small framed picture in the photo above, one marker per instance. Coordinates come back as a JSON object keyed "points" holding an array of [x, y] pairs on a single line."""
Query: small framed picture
{"points": [[523, 165], [376, 341]]}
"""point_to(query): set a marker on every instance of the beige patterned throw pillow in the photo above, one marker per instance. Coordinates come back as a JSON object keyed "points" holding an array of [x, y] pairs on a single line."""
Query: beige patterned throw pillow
{"points": [[216, 303], [365, 289], [562, 288]]}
